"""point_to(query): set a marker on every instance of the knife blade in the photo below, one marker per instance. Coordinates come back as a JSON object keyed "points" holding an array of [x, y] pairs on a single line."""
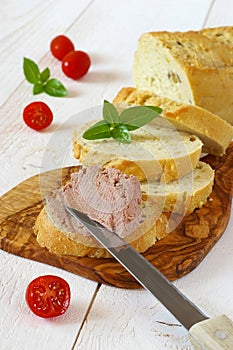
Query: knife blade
{"points": [[205, 333]]}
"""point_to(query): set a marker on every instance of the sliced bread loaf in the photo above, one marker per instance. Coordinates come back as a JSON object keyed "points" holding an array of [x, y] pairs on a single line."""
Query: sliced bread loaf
{"points": [[215, 133], [156, 153], [191, 67]]}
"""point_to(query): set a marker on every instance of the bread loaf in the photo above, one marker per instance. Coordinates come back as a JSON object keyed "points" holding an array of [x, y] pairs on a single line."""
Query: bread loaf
{"points": [[155, 153], [190, 67], [215, 133]]}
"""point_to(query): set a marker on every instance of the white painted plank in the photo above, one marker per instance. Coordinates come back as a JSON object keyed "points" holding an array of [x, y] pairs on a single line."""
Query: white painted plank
{"points": [[130, 320], [26, 29], [20, 329], [220, 14]]}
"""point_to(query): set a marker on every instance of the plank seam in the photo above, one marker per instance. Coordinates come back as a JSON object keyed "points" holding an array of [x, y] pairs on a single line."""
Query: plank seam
{"points": [[86, 314], [208, 13]]}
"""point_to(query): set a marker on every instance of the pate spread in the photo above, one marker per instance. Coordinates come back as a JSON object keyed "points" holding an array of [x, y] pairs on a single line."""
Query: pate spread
{"points": [[107, 196]]}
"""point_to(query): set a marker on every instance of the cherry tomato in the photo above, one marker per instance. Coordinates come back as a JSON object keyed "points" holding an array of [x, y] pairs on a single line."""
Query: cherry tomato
{"points": [[37, 115], [76, 64], [48, 296], [61, 46]]}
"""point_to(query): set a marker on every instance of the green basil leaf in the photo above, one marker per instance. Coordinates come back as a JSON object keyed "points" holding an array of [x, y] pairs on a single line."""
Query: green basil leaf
{"points": [[121, 133], [135, 117], [100, 130], [38, 89], [119, 127], [44, 76], [110, 113], [155, 108], [54, 87], [31, 71]]}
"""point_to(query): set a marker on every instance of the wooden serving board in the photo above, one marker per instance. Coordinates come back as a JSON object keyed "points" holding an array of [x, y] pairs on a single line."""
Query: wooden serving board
{"points": [[175, 256]]}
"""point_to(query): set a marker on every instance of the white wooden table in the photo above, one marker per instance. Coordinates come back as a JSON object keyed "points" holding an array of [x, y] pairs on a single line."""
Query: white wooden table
{"points": [[99, 317]]}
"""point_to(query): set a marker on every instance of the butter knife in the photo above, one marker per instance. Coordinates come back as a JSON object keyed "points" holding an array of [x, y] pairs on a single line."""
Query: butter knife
{"points": [[205, 333]]}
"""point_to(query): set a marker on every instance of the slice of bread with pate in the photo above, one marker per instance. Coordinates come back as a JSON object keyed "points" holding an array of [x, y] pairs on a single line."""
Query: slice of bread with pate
{"points": [[215, 133], [141, 213], [63, 242], [194, 67], [107, 196]]}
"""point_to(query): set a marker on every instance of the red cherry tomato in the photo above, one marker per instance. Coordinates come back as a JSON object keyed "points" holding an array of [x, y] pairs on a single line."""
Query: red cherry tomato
{"points": [[61, 46], [76, 64], [48, 296], [37, 115]]}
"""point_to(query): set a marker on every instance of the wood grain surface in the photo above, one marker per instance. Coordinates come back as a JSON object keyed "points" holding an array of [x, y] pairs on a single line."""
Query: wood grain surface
{"points": [[175, 256]]}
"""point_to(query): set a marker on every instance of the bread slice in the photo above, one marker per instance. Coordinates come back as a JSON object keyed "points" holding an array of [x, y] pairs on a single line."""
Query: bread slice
{"points": [[190, 67], [184, 195], [108, 196], [215, 133], [156, 153], [60, 242]]}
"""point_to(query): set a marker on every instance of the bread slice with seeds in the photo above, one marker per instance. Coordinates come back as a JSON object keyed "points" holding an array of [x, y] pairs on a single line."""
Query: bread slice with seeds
{"points": [[155, 153], [183, 195]]}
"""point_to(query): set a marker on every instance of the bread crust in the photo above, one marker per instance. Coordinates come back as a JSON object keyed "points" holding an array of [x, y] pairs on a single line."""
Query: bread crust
{"points": [[215, 133], [222, 34], [59, 243]]}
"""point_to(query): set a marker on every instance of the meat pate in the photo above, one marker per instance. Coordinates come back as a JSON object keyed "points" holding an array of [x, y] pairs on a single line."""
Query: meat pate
{"points": [[107, 196]]}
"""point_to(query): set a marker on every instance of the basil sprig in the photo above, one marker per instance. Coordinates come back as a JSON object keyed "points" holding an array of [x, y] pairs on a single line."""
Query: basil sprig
{"points": [[40, 80], [119, 126]]}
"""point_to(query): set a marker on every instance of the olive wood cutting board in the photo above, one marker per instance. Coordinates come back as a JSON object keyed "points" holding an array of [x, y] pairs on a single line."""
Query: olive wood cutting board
{"points": [[175, 256]]}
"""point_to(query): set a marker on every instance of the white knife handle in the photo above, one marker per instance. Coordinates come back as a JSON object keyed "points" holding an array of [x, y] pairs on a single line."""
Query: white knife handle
{"points": [[213, 334]]}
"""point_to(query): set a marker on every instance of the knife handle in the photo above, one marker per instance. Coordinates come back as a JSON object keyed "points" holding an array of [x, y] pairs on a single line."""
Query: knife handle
{"points": [[213, 334]]}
